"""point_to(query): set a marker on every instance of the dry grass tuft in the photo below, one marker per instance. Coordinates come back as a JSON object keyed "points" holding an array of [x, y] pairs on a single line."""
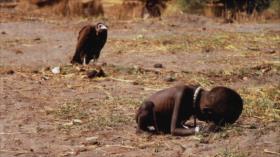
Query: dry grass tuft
{"points": [[262, 103], [97, 115], [231, 153]]}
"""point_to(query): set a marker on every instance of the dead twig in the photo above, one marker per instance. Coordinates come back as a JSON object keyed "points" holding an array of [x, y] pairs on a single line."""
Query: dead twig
{"points": [[271, 152], [121, 80], [122, 146], [20, 152], [13, 133], [152, 89]]}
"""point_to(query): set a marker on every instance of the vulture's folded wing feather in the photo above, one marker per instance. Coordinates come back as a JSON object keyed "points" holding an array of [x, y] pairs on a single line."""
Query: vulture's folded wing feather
{"points": [[86, 38]]}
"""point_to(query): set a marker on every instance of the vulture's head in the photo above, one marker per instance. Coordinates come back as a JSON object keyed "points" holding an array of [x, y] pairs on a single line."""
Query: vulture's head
{"points": [[100, 28]]}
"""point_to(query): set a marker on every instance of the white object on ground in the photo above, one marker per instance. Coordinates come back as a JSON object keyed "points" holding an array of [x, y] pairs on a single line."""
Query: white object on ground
{"points": [[56, 70], [77, 121]]}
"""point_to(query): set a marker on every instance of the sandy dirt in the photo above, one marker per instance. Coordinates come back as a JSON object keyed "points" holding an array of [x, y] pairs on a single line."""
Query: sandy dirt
{"points": [[44, 114]]}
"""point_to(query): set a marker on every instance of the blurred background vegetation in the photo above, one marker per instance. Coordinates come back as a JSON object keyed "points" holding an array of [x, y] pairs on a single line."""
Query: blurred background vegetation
{"points": [[238, 10], [249, 6]]}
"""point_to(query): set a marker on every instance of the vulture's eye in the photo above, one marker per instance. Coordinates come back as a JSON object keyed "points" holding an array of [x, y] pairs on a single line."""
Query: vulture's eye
{"points": [[102, 26]]}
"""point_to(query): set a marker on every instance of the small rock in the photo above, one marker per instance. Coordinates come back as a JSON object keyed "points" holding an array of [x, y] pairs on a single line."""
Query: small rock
{"points": [[68, 124], [10, 72], [35, 71], [245, 78], [157, 72], [45, 78], [135, 83], [69, 86], [56, 70], [77, 121], [91, 140], [167, 42], [37, 39], [18, 52], [47, 69], [207, 50], [269, 51], [101, 73], [158, 65], [136, 67], [95, 73], [253, 126], [3, 32], [140, 36], [92, 74], [169, 79], [104, 64], [204, 28]]}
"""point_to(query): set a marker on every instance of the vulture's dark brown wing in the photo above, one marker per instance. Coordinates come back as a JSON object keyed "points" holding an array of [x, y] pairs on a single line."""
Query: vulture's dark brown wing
{"points": [[86, 40]]}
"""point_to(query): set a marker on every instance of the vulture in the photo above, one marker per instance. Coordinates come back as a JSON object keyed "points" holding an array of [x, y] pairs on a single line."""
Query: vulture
{"points": [[91, 40]]}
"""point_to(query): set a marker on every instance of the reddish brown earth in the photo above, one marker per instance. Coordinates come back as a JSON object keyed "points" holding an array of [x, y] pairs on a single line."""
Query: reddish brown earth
{"points": [[45, 114]]}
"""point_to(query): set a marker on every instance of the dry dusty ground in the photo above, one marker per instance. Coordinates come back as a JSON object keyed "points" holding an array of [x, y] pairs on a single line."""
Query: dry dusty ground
{"points": [[68, 114]]}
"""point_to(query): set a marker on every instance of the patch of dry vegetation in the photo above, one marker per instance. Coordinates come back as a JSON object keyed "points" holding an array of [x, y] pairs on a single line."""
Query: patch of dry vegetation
{"points": [[96, 115], [262, 103], [258, 71], [215, 41], [231, 153]]}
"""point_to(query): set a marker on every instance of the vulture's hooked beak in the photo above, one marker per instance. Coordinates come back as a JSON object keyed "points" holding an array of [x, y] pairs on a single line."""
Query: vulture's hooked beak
{"points": [[103, 27]]}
